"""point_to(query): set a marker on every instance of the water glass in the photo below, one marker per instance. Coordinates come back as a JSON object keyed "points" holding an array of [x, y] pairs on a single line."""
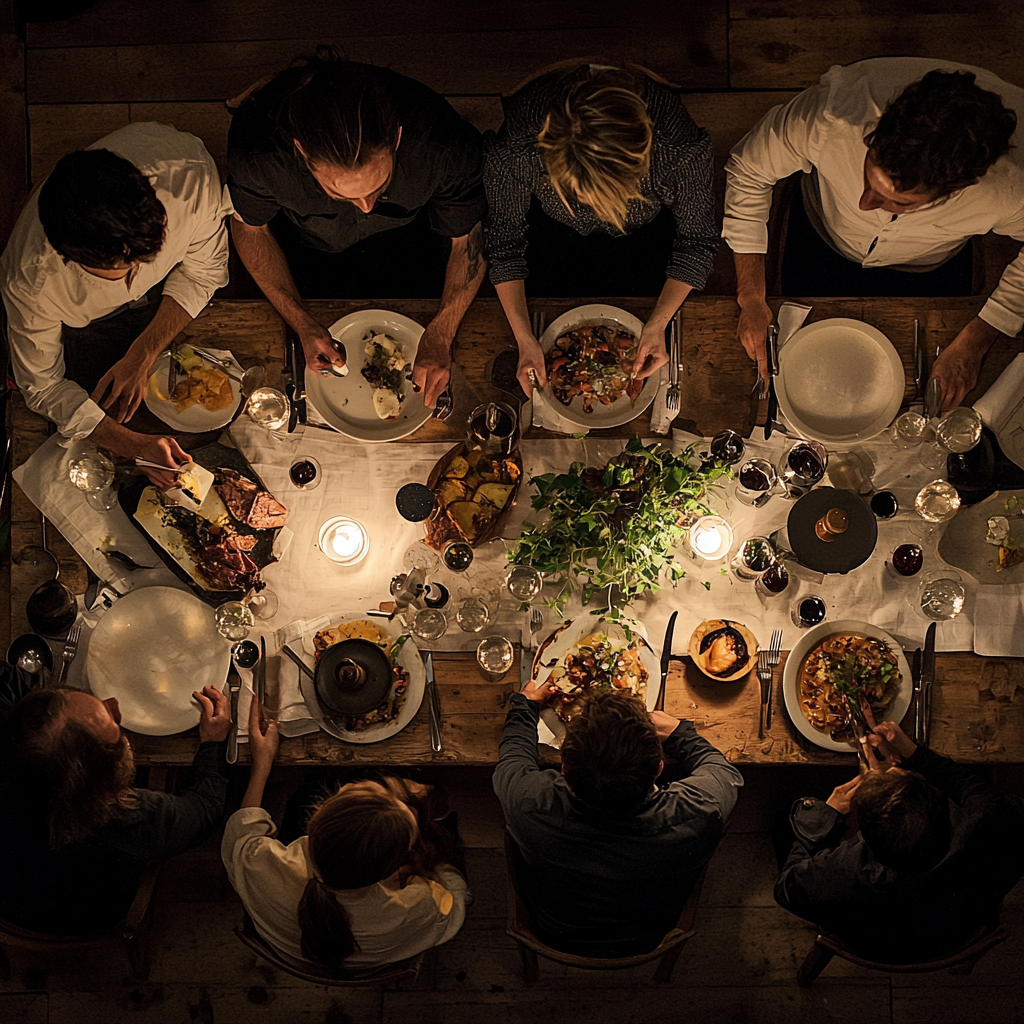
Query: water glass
{"points": [[801, 467], [234, 620], [909, 430], [268, 407], [935, 503], [755, 556], [494, 655], [755, 480], [93, 473], [429, 624], [957, 432], [851, 471], [473, 614], [457, 555], [524, 582], [941, 596]]}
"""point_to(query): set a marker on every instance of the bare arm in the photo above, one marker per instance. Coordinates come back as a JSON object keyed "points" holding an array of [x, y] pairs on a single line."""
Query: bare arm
{"points": [[755, 313], [512, 295], [465, 272], [266, 262]]}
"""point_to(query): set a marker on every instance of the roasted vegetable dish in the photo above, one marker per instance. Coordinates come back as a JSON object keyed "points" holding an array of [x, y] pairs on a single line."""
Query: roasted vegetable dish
{"points": [[593, 363]]}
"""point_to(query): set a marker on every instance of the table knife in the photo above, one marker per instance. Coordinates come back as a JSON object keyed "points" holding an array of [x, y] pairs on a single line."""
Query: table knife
{"points": [[927, 679], [172, 370], [915, 675], [666, 659], [296, 389], [772, 346], [234, 686], [261, 676], [525, 662], [918, 364], [433, 704]]}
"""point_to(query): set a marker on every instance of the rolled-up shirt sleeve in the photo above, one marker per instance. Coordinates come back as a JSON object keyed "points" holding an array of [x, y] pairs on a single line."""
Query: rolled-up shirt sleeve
{"points": [[1004, 309], [780, 144]]}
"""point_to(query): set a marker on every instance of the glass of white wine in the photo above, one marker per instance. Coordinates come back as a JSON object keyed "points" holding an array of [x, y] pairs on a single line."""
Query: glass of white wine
{"points": [[909, 430], [941, 596], [93, 473], [268, 407], [935, 503], [234, 620], [957, 432], [524, 583]]}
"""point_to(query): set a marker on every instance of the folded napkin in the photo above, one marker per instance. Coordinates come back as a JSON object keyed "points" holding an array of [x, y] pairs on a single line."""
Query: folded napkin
{"points": [[1005, 399], [661, 418], [999, 621]]}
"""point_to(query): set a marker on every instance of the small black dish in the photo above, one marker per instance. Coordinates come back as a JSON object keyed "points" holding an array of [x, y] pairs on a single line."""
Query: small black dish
{"points": [[27, 643]]}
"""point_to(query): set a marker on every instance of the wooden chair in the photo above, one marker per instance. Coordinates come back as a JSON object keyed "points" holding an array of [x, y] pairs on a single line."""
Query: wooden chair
{"points": [[530, 947], [965, 957], [133, 931], [339, 977]]}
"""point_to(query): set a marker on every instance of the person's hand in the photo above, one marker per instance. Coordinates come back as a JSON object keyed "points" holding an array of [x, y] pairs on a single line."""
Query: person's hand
{"points": [[957, 370], [842, 795], [433, 366], [531, 358], [122, 388], [262, 745], [752, 330], [167, 452], [214, 716], [901, 745], [651, 354], [321, 350], [664, 724], [540, 692]]}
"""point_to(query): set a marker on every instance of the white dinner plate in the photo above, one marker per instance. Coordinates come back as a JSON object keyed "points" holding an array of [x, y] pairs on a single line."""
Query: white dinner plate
{"points": [[813, 637], [195, 419], [550, 728], [620, 411], [346, 403], [839, 380], [409, 658], [150, 651]]}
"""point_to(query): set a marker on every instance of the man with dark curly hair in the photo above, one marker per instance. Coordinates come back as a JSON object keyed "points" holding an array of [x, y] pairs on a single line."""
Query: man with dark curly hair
{"points": [[904, 160], [130, 232], [605, 857]]}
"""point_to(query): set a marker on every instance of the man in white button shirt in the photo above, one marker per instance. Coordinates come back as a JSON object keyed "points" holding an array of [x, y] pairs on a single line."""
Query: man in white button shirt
{"points": [[904, 160], [142, 206]]}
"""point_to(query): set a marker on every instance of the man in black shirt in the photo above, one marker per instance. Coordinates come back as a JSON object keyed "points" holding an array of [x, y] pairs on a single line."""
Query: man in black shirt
{"points": [[936, 851], [606, 858], [326, 157]]}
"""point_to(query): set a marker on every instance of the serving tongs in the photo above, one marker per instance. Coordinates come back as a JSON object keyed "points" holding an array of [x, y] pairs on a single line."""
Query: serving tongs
{"points": [[296, 389]]}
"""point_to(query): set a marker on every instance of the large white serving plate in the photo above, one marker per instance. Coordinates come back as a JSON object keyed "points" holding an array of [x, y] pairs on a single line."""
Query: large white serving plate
{"points": [[620, 411], [346, 403], [196, 419], [150, 651], [839, 380], [409, 658], [550, 728], [802, 648], [963, 544]]}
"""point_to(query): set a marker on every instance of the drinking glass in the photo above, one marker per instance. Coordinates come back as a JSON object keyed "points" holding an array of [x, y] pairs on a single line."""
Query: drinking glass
{"points": [[524, 583], [909, 430], [772, 582], [935, 503], [473, 614], [727, 447], [802, 465], [905, 560], [808, 611], [263, 603], [494, 655], [93, 473], [851, 471], [457, 555], [234, 620], [957, 432], [268, 407], [941, 596], [430, 623], [419, 556], [305, 474], [884, 504], [755, 556], [755, 481]]}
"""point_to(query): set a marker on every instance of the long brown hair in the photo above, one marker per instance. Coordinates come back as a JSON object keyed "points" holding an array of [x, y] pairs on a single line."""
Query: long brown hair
{"points": [[359, 836], [61, 772]]}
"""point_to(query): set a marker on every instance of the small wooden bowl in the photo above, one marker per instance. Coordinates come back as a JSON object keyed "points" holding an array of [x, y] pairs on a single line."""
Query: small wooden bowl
{"points": [[700, 660]]}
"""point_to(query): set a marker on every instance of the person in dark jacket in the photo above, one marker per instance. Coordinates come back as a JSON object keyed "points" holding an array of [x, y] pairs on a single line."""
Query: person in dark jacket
{"points": [[76, 831], [607, 858], [935, 851]]}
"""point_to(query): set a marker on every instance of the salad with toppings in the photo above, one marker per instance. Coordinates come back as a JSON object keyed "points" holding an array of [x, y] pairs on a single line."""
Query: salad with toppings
{"points": [[593, 362], [385, 363]]}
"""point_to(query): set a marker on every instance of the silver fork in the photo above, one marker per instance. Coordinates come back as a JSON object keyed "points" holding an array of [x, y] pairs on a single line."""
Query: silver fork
{"points": [[70, 650], [672, 395], [774, 656], [764, 677], [537, 323], [444, 406]]}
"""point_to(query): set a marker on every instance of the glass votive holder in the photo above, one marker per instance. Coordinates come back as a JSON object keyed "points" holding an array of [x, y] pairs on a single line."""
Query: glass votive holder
{"points": [[343, 540], [710, 538]]}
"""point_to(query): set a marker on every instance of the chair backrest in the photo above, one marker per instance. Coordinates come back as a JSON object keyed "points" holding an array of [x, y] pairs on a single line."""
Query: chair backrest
{"points": [[519, 927], [979, 943], [403, 970]]}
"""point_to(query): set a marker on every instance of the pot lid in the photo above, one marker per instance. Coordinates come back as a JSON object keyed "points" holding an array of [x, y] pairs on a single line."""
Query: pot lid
{"points": [[847, 550], [353, 677]]}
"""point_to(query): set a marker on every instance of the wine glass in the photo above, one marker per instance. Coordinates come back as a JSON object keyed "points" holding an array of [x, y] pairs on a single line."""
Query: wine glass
{"points": [[935, 503], [264, 603], [802, 465], [473, 614], [457, 555], [755, 481], [305, 474], [419, 556], [93, 473], [957, 432], [234, 620], [429, 624], [909, 430], [268, 407], [727, 447], [524, 583], [941, 596], [755, 556]]}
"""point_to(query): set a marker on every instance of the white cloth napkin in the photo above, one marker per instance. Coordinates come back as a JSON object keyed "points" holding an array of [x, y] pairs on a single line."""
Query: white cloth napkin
{"points": [[1002, 409], [999, 621], [661, 418]]}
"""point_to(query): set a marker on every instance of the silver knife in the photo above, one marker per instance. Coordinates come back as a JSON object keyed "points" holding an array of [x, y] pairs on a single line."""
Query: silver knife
{"points": [[261, 676], [433, 704], [666, 659], [673, 352], [933, 398], [927, 679], [918, 364], [172, 370], [525, 662], [772, 353], [234, 686]]}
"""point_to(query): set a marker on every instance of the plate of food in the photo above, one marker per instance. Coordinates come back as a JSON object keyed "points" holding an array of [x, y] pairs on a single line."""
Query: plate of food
{"points": [[375, 401], [205, 397], [150, 651], [839, 380], [220, 547], [588, 654], [588, 352], [723, 650], [987, 539], [836, 659], [399, 707], [474, 494]]}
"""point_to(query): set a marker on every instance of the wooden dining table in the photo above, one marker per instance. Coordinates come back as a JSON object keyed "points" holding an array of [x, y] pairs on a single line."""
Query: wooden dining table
{"points": [[978, 702]]}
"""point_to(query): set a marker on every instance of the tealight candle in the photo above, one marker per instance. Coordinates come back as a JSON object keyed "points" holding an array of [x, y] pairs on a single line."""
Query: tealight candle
{"points": [[710, 538], [344, 540]]}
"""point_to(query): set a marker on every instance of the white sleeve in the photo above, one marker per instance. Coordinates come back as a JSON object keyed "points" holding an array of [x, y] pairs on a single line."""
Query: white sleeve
{"points": [[1004, 309], [783, 142], [248, 838]]}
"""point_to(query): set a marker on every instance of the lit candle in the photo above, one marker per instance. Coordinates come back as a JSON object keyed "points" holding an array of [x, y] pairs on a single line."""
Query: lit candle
{"points": [[710, 538], [344, 540]]}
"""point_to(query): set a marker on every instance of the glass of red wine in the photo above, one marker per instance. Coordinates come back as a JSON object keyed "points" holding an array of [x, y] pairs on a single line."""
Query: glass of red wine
{"points": [[905, 561], [772, 582], [808, 611], [305, 473], [755, 481], [802, 465]]}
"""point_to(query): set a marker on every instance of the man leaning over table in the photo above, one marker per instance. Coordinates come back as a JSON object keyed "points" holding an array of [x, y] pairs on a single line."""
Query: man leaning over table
{"points": [[606, 858], [904, 160], [935, 851], [140, 207], [351, 181]]}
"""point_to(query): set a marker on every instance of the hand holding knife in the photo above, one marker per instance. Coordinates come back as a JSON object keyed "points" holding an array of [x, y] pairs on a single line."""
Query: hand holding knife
{"points": [[234, 687], [772, 352], [666, 660]]}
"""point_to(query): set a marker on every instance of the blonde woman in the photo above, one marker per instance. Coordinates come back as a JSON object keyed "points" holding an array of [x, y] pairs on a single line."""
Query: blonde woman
{"points": [[602, 176]]}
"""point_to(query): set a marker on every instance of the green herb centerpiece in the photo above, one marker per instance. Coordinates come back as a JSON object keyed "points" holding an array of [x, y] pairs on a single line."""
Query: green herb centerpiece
{"points": [[616, 527]]}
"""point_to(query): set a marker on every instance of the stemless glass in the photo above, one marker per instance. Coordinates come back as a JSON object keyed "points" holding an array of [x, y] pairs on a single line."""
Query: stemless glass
{"points": [[905, 560], [524, 583], [457, 555], [935, 503], [430, 624], [473, 614], [268, 407], [802, 465], [234, 620], [93, 473], [755, 556], [941, 596], [755, 480], [494, 655], [909, 430]]}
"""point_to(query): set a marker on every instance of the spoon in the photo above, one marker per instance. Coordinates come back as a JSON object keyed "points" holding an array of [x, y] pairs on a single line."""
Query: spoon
{"points": [[246, 654]]}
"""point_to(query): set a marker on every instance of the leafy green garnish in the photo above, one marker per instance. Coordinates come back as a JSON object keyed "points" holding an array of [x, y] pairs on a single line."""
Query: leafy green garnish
{"points": [[615, 527]]}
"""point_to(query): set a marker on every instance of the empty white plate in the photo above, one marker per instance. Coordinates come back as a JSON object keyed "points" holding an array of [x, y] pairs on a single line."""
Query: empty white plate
{"points": [[839, 380]]}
